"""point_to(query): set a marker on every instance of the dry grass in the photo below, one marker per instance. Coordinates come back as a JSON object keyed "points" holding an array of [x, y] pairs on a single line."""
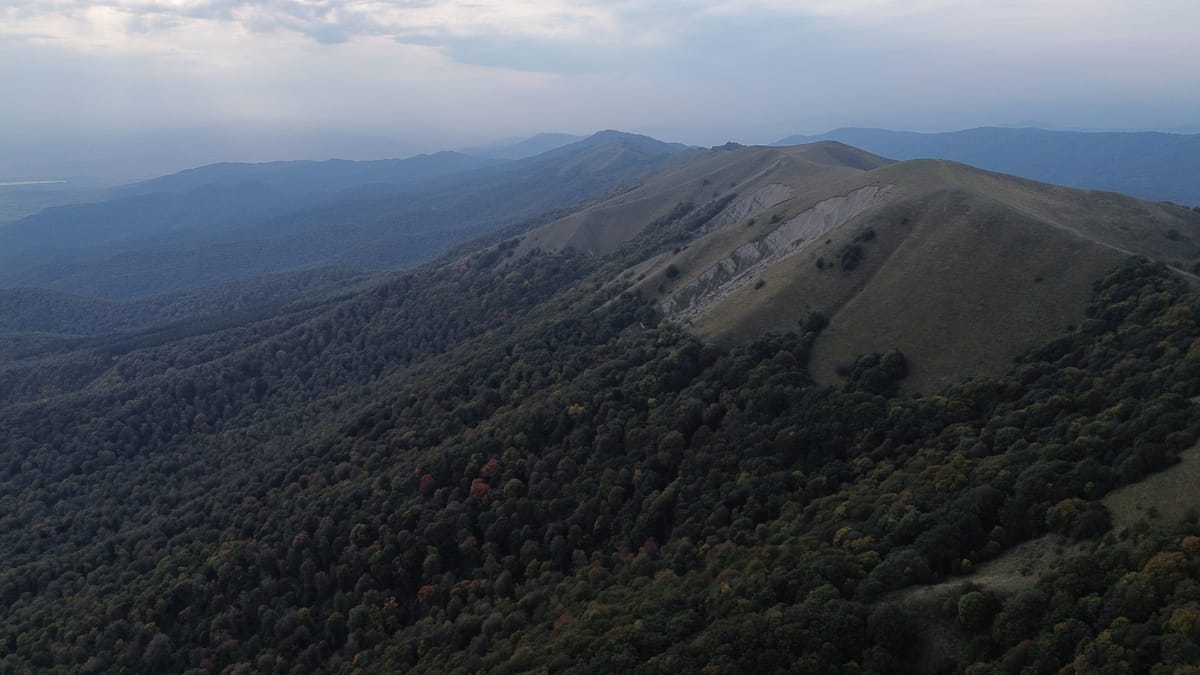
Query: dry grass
{"points": [[1166, 496], [970, 269], [972, 286], [940, 639]]}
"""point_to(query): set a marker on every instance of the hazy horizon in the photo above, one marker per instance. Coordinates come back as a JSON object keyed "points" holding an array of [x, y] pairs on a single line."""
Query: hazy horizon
{"points": [[149, 86]]}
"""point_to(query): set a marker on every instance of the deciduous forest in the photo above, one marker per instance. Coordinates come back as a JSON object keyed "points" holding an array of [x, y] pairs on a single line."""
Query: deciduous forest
{"points": [[511, 465]]}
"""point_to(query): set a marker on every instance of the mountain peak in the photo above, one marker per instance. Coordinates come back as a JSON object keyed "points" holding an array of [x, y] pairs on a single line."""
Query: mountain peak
{"points": [[630, 140]]}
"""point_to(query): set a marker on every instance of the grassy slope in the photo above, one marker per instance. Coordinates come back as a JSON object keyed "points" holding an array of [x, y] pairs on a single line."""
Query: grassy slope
{"points": [[972, 286], [1171, 493], [604, 227], [968, 269]]}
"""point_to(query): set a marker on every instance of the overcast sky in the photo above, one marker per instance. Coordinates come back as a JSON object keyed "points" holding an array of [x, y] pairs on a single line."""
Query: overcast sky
{"points": [[433, 74]]}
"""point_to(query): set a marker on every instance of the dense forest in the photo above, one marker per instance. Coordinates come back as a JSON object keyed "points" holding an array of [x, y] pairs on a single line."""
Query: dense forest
{"points": [[509, 464]]}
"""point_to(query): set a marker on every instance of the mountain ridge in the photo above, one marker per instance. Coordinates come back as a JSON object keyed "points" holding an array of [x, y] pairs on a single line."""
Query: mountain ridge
{"points": [[522, 148], [224, 232], [809, 227], [1150, 165]]}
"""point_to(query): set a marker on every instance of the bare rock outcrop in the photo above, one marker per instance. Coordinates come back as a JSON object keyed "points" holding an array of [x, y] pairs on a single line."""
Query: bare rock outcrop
{"points": [[753, 204], [749, 260]]}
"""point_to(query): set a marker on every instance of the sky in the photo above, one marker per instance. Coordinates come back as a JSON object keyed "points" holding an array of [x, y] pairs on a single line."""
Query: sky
{"points": [[82, 80]]}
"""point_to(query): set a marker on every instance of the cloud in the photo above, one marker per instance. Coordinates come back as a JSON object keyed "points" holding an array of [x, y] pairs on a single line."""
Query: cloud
{"points": [[325, 21], [696, 70], [573, 35]]}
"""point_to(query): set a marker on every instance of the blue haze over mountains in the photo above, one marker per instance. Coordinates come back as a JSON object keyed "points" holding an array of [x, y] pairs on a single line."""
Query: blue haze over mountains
{"points": [[1149, 165], [229, 222], [226, 222]]}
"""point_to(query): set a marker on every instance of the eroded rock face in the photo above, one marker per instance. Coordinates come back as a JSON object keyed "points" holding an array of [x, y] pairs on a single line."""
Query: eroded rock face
{"points": [[749, 260], [750, 206]]}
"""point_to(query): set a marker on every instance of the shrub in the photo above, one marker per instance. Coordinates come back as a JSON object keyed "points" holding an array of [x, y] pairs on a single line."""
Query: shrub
{"points": [[851, 256], [816, 322], [975, 610]]}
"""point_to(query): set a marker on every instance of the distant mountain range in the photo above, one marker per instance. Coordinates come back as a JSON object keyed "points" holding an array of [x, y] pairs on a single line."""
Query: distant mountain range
{"points": [[534, 145], [230, 223], [309, 177], [225, 222], [1148, 165]]}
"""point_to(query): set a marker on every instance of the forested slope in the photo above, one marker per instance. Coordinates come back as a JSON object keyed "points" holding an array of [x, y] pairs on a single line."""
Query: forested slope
{"points": [[37, 310], [516, 468]]}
